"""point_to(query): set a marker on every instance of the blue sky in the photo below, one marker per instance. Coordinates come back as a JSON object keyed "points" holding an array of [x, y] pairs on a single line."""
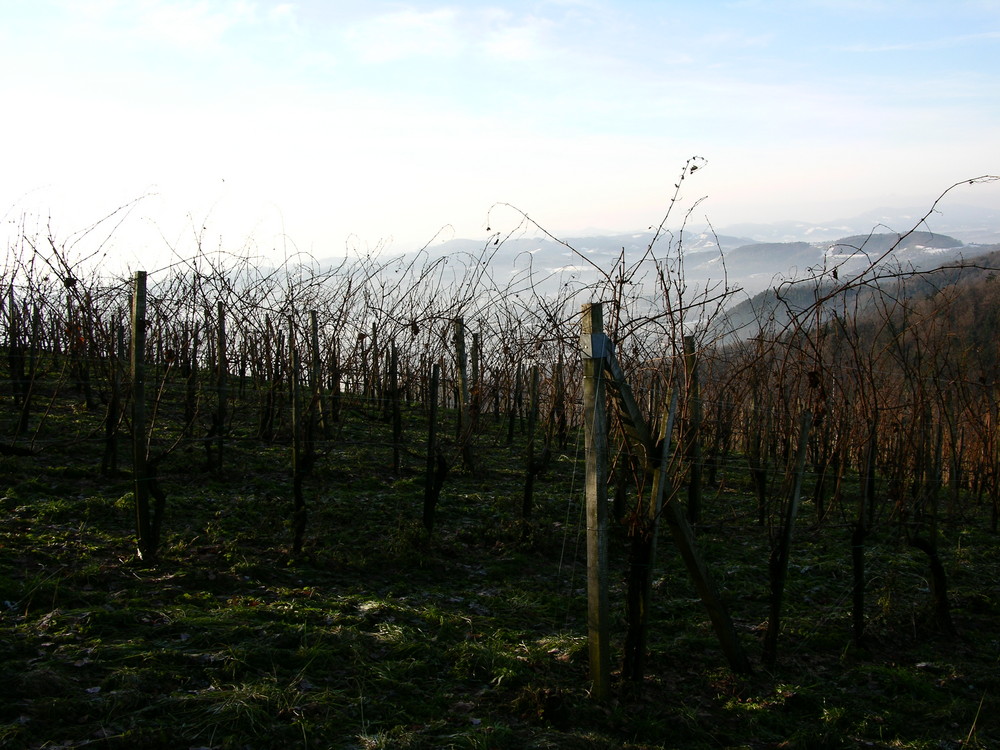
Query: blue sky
{"points": [[321, 126]]}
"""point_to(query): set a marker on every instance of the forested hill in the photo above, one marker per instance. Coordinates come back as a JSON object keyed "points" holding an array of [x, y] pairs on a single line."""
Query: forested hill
{"points": [[965, 291]]}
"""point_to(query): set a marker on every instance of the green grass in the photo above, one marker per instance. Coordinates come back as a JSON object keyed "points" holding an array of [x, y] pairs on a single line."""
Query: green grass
{"points": [[379, 635]]}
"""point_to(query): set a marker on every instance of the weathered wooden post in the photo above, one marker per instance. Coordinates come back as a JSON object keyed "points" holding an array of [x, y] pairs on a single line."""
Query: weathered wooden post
{"points": [[693, 432], [298, 502], [271, 355], [20, 386], [221, 384], [437, 468], [531, 468], [318, 414], [189, 368], [336, 376], [475, 385], [559, 417], [143, 520], [375, 389], [593, 343], [110, 463], [513, 402], [33, 358], [396, 412], [465, 422]]}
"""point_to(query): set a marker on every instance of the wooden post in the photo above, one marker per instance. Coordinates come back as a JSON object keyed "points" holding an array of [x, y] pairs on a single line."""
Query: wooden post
{"points": [[269, 382], [375, 379], [221, 385], [513, 403], [859, 533], [26, 357], [396, 408], [16, 360], [335, 378], [318, 413], [560, 419], [143, 521], [436, 466], [475, 386], [244, 354], [109, 466], [693, 432], [593, 343], [298, 502], [465, 425], [531, 468]]}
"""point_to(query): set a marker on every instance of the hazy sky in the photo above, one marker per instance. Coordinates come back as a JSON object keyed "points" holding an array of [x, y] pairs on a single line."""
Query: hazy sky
{"points": [[321, 125]]}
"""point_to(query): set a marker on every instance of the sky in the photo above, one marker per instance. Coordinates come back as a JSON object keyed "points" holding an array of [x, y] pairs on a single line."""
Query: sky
{"points": [[321, 128]]}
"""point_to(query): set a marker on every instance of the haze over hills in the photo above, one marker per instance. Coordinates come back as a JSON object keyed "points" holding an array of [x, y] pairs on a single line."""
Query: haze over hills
{"points": [[752, 257], [971, 224]]}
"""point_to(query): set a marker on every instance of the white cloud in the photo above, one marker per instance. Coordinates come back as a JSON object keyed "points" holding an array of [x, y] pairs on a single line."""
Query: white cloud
{"points": [[191, 24], [925, 45], [519, 42], [407, 33], [180, 23], [283, 13]]}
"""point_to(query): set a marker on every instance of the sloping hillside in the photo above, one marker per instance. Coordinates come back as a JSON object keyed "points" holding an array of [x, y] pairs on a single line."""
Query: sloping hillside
{"points": [[967, 279]]}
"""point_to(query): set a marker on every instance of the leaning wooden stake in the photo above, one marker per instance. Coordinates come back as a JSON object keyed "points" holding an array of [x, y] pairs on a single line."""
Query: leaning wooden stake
{"points": [[143, 519], [779, 555], [638, 432], [593, 343], [642, 555]]}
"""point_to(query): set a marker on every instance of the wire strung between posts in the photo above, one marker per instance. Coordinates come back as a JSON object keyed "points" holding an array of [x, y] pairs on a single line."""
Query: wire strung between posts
{"points": [[566, 523]]}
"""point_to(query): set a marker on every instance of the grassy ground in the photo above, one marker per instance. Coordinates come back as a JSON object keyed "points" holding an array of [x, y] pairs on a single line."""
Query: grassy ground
{"points": [[380, 636]]}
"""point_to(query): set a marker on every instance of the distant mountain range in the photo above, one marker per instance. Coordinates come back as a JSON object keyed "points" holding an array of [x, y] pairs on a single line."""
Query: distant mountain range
{"points": [[971, 224], [749, 257]]}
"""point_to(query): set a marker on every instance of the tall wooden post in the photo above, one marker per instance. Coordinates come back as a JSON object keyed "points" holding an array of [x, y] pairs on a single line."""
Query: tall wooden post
{"points": [[318, 412], [475, 386], [298, 501], [436, 466], [395, 407], [531, 465], [221, 384], [110, 463], [593, 343], [693, 432], [513, 402], [20, 385], [143, 521], [465, 425]]}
